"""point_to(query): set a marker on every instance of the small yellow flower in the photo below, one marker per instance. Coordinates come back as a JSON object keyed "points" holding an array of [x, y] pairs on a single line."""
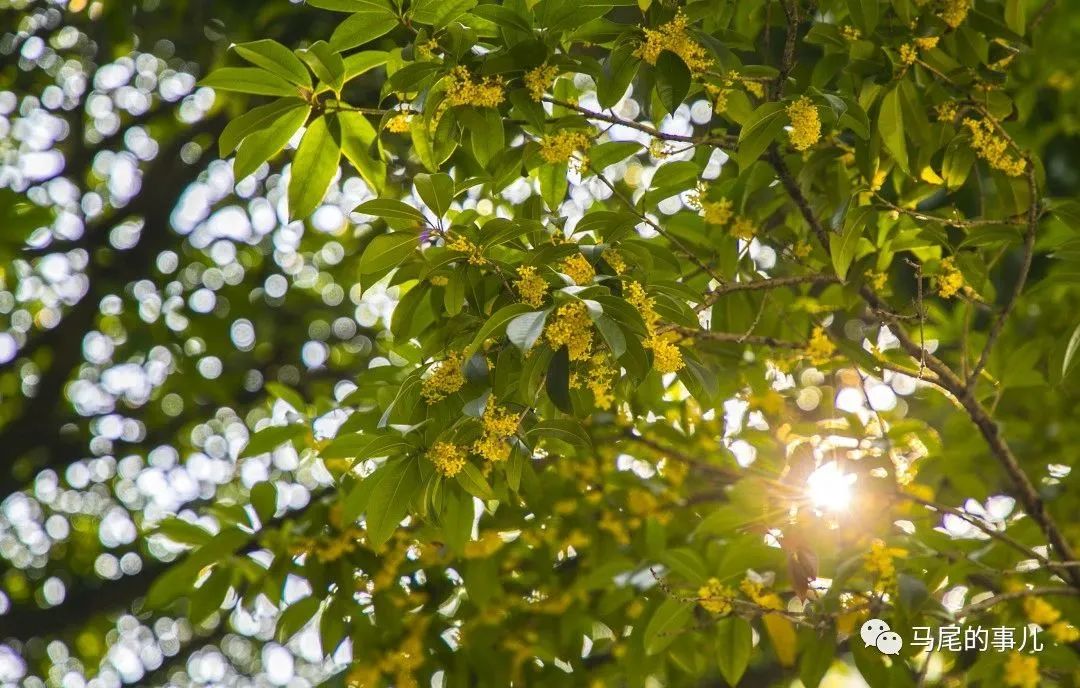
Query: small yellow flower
{"points": [[615, 260], [753, 87], [562, 146], [458, 242], [992, 148], [719, 96], [673, 37], [499, 425], [579, 269], [448, 458], [879, 562], [540, 79], [1022, 671], [667, 358], [820, 348], [743, 228], [927, 42], [802, 249], [717, 212], [601, 377], [530, 286], [1061, 81], [716, 597], [571, 327], [1064, 632], [877, 280], [950, 280], [465, 90], [805, 123], [908, 54], [1040, 611], [947, 111], [399, 123], [850, 32], [445, 378], [955, 11]]}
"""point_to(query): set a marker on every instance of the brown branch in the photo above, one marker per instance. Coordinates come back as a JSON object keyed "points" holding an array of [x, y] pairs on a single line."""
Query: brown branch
{"points": [[984, 605], [739, 338], [787, 62], [763, 284], [724, 142]]}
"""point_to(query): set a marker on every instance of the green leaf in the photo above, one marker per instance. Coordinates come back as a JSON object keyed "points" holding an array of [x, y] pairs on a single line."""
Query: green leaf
{"points": [[313, 169], [759, 131], [183, 532], [611, 152], [439, 13], [865, 14], [842, 247], [891, 128], [553, 184], [557, 383], [473, 481], [734, 643], [369, 6], [360, 29], [618, 71], [251, 80], [287, 394], [457, 519], [360, 446], [1070, 352], [494, 325], [363, 62], [208, 597], [270, 438], [672, 80], [264, 499], [686, 563], [394, 486], [566, 430], [1015, 16], [357, 135], [326, 64], [436, 190], [274, 57], [524, 330], [254, 120], [260, 146], [296, 616], [671, 617], [387, 251], [422, 143], [391, 209], [817, 657]]}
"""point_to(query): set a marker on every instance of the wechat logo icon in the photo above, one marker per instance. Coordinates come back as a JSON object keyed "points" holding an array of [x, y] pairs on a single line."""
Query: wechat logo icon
{"points": [[877, 633]]}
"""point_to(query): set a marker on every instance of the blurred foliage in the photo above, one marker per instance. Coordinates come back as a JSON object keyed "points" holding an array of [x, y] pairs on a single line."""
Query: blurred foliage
{"points": [[537, 342]]}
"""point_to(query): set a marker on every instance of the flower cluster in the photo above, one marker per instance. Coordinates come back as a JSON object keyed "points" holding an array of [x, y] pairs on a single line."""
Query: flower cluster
{"points": [[673, 37], [578, 268], [947, 111], [599, 380], [458, 242], [820, 348], [445, 378], [615, 260], [992, 148], [399, 123], [908, 54], [805, 123], [539, 80], [716, 597], [328, 548], [667, 358], [927, 42], [530, 286], [499, 425], [465, 90], [1022, 671], [571, 327], [1047, 615], [449, 458], [756, 592], [717, 212], [850, 32], [950, 280], [955, 12], [743, 228], [880, 563], [561, 146]]}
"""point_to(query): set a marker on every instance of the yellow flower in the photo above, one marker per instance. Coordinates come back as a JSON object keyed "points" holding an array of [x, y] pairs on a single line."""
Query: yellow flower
{"points": [[578, 268], [820, 348], [719, 96], [499, 424], [950, 280], [561, 146], [1064, 632], [571, 327], [615, 260], [805, 123], [667, 358], [802, 249], [399, 123], [448, 458], [1061, 81], [716, 597], [489, 543], [1021, 671], [445, 378], [850, 32], [531, 287], [465, 90], [992, 148], [743, 228], [955, 11], [538, 80], [879, 562], [1040, 611], [927, 42], [458, 242], [877, 280], [753, 87], [717, 212], [947, 111], [908, 54], [439, 280], [672, 37]]}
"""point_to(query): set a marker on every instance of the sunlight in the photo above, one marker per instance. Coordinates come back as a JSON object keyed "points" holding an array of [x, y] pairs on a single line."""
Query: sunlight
{"points": [[830, 489]]}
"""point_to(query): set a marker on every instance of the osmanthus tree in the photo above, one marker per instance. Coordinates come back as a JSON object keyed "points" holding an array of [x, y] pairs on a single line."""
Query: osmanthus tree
{"points": [[723, 327]]}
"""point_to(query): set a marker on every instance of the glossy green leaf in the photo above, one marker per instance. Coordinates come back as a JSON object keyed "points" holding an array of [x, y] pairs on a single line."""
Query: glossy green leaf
{"points": [[314, 167]]}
